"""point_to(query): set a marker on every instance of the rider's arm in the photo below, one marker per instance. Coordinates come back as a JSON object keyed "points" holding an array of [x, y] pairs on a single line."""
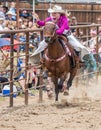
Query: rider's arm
{"points": [[64, 26], [42, 22]]}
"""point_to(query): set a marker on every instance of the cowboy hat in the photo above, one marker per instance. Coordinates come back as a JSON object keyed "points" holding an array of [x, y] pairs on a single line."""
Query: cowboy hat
{"points": [[56, 9]]}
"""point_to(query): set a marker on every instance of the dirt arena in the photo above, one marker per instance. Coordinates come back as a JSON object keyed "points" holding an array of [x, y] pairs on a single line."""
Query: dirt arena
{"points": [[81, 110]]}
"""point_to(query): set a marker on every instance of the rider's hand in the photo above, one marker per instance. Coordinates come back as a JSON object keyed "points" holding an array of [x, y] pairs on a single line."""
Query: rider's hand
{"points": [[36, 16]]}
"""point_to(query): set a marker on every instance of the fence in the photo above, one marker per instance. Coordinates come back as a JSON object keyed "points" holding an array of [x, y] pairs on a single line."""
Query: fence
{"points": [[12, 57]]}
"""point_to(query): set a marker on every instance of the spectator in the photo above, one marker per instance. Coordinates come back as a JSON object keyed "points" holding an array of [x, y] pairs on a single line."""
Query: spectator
{"points": [[93, 31], [99, 30], [24, 13], [25, 22], [1, 25], [3, 81], [50, 87], [20, 23], [19, 73], [30, 75], [5, 10], [74, 23], [10, 16], [2, 13], [13, 9], [92, 41]]}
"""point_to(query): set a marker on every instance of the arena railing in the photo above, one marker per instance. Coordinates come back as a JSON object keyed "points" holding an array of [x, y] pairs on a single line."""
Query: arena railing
{"points": [[27, 31]]}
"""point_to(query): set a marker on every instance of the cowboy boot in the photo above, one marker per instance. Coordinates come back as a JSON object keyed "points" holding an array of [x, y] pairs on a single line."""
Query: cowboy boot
{"points": [[41, 47]]}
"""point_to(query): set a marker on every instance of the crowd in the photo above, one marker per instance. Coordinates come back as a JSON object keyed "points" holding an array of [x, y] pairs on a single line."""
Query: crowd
{"points": [[8, 18], [8, 22]]}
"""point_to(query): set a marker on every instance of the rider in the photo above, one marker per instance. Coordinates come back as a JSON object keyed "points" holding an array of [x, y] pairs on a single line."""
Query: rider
{"points": [[58, 16]]}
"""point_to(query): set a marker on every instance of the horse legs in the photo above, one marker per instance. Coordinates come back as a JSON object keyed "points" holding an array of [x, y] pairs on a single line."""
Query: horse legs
{"points": [[55, 81], [72, 75], [69, 84], [60, 84]]}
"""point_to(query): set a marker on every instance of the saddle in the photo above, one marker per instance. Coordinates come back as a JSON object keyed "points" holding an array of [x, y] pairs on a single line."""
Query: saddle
{"points": [[74, 58]]}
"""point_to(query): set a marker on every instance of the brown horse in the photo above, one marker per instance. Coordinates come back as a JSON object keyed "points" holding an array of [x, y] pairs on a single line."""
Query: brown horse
{"points": [[57, 61]]}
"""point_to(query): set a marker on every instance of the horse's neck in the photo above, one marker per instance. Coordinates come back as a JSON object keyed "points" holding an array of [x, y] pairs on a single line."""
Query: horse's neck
{"points": [[55, 50]]}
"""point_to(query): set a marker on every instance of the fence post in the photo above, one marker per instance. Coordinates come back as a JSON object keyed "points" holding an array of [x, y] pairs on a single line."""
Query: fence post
{"points": [[97, 47], [26, 67], [41, 87], [11, 69]]}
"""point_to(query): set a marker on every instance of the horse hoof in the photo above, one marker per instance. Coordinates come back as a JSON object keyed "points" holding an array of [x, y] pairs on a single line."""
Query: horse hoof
{"points": [[66, 93], [63, 89]]}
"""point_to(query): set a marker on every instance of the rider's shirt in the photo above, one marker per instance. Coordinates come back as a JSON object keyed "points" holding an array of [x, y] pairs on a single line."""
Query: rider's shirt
{"points": [[62, 23]]}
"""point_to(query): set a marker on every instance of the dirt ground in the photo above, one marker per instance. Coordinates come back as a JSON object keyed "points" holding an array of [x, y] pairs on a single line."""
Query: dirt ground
{"points": [[81, 110]]}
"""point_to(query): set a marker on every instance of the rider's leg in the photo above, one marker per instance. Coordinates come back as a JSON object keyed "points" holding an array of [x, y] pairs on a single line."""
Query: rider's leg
{"points": [[75, 43], [41, 47]]}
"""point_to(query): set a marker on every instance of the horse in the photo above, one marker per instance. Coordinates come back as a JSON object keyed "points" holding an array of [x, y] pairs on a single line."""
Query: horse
{"points": [[56, 59]]}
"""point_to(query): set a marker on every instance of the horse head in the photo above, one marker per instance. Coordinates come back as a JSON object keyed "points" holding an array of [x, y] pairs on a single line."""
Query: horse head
{"points": [[49, 31]]}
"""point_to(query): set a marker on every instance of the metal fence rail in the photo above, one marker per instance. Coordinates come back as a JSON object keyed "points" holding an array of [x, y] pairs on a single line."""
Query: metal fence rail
{"points": [[27, 31]]}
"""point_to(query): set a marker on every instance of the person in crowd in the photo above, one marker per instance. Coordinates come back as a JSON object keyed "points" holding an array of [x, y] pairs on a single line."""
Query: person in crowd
{"points": [[74, 23], [92, 41], [1, 12], [5, 10], [10, 15], [8, 25], [13, 10], [31, 76], [1, 25], [59, 17], [76, 32], [49, 87], [98, 21], [25, 22], [19, 72], [3, 81], [24, 13], [20, 23]]}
